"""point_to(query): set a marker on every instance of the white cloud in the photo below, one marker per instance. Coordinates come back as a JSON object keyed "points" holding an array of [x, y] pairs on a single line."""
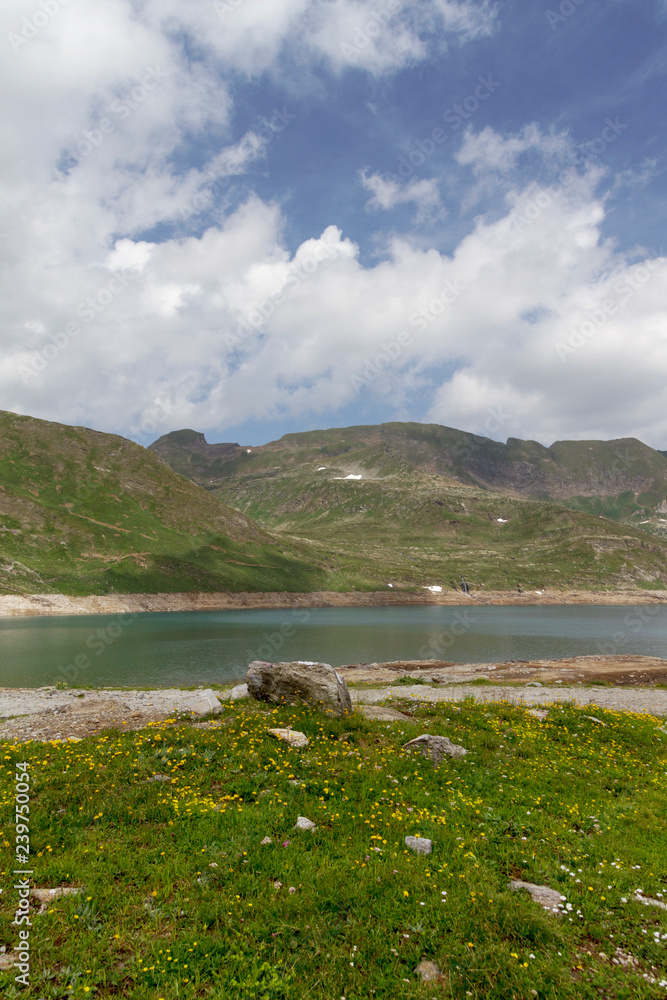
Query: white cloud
{"points": [[229, 326], [489, 151], [387, 193], [98, 322]]}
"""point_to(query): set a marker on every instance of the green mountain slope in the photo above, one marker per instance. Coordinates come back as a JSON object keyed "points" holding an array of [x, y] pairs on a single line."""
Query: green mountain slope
{"points": [[86, 512], [623, 480], [403, 520]]}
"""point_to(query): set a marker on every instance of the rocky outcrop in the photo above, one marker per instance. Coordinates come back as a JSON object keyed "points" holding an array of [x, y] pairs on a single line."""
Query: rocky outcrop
{"points": [[299, 682]]}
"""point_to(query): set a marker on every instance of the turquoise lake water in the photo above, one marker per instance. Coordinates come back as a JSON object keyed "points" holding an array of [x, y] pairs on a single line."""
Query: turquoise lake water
{"points": [[204, 647]]}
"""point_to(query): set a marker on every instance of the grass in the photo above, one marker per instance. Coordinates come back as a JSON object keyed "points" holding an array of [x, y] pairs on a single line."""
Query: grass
{"points": [[180, 899], [410, 529], [86, 512]]}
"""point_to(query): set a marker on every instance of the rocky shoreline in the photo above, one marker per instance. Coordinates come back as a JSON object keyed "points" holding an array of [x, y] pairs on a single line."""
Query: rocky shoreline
{"points": [[629, 684], [63, 604]]}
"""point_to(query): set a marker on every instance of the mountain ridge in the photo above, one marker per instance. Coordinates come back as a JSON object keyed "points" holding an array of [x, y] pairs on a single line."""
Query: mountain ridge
{"points": [[622, 479]]}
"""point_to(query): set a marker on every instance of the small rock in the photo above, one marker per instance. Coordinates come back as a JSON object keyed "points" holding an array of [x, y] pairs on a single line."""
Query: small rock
{"points": [[160, 777], [539, 713], [238, 692], [419, 844], [48, 895], [304, 824], [382, 714], [428, 971], [550, 899], [533, 684], [8, 960], [291, 736], [594, 719], [435, 747], [648, 901]]}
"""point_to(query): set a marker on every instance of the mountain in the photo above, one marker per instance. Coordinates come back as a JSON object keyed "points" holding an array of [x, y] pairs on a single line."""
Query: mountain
{"points": [[623, 480], [87, 512], [417, 505]]}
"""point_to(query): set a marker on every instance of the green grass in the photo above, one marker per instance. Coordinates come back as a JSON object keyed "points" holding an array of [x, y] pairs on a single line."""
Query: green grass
{"points": [[181, 900], [412, 529], [84, 512]]}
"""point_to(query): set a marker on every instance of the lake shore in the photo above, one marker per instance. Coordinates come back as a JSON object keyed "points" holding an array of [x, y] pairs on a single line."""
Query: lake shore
{"points": [[63, 604], [621, 683]]}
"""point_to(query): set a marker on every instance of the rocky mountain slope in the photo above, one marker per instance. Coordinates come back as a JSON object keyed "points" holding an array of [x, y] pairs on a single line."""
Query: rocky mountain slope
{"points": [[623, 480], [421, 505]]}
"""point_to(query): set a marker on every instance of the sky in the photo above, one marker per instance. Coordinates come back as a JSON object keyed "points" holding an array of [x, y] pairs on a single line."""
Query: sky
{"points": [[255, 217]]}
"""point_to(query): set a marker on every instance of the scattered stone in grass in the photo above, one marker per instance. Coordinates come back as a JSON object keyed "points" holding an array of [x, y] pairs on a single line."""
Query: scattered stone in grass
{"points": [[382, 714], [304, 824], [594, 719], [550, 899], [648, 901], [435, 747], [419, 844], [8, 960], [624, 959], [539, 713], [48, 895], [534, 684], [291, 736], [238, 692], [160, 777], [428, 971]]}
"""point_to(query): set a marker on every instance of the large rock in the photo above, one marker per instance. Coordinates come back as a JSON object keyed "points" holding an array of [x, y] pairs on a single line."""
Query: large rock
{"points": [[316, 684]]}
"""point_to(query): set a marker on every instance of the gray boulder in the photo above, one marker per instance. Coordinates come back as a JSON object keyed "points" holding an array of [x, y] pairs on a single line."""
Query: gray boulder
{"points": [[435, 747], [422, 845], [316, 684], [550, 899]]}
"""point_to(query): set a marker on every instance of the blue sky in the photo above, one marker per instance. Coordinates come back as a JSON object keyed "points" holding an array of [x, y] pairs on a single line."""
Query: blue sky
{"points": [[253, 217]]}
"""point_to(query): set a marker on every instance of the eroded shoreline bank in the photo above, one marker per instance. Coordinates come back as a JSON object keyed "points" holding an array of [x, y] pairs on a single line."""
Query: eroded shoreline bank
{"points": [[63, 604]]}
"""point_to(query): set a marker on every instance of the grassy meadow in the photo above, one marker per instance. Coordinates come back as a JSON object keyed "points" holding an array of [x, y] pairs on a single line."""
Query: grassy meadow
{"points": [[182, 896]]}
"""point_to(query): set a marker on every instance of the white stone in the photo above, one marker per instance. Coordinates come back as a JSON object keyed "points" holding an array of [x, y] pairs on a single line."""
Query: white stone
{"points": [[421, 845], [304, 824], [291, 736]]}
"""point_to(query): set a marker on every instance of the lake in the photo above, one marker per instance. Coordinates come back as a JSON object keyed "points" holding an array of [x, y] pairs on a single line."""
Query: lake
{"points": [[204, 647]]}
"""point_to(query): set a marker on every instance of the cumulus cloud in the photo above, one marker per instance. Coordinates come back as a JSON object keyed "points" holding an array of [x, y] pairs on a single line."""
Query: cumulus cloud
{"points": [[538, 317], [103, 322]]}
